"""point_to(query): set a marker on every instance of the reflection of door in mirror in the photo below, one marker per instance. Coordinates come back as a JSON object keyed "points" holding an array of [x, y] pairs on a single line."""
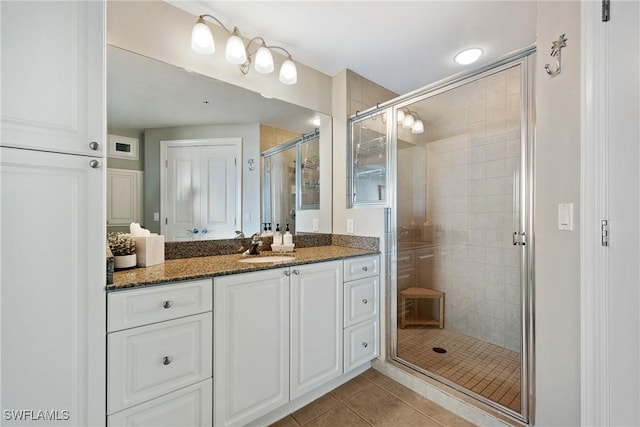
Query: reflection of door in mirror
{"points": [[279, 195], [202, 189]]}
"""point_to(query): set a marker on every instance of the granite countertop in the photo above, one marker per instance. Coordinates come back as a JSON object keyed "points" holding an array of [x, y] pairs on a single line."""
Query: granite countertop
{"points": [[219, 265]]}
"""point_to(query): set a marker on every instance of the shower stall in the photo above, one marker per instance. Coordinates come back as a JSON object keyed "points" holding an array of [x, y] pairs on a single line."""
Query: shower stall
{"points": [[459, 294]]}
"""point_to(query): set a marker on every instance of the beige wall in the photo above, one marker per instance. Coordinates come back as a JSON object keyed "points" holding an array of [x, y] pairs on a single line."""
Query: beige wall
{"points": [[271, 136], [161, 31], [557, 253], [363, 94]]}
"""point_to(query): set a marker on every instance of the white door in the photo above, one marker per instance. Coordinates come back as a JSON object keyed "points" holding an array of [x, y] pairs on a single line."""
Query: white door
{"points": [[203, 191], [316, 325], [611, 189], [53, 76], [124, 197], [623, 189], [251, 345], [52, 302]]}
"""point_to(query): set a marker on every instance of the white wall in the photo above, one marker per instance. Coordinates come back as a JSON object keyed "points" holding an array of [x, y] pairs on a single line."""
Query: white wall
{"points": [[557, 253], [161, 31]]}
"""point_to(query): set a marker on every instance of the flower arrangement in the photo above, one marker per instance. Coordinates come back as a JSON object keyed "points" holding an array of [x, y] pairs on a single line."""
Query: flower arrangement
{"points": [[121, 244]]}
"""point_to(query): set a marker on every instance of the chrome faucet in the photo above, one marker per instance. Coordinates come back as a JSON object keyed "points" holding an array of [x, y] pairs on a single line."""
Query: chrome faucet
{"points": [[254, 246], [239, 234]]}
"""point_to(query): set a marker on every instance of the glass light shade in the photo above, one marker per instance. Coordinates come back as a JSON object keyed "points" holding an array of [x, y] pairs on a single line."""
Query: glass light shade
{"points": [[408, 121], [264, 60], [468, 56], [235, 52], [202, 39], [418, 127], [288, 73], [400, 116]]}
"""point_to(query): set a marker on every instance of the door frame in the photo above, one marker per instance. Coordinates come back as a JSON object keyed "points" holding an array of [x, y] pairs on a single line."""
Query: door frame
{"points": [[200, 142]]}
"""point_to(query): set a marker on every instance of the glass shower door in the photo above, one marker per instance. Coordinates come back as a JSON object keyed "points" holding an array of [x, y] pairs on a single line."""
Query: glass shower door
{"points": [[461, 273]]}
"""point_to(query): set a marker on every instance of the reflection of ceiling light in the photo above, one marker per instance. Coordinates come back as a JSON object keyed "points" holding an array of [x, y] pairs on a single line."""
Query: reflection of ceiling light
{"points": [[468, 56], [408, 121], [315, 121], [237, 53], [418, 127], [400, 114], [264, 95]]}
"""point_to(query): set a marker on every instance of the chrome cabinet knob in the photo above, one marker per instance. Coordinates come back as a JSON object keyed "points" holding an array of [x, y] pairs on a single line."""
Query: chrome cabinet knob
{"points": [[93, 145], [194, 231], [166, 360], [167, 304], [365, 345], [287, 273], [94, 164], [204, 231], [364, 301], [296, 272], [364, 268]]}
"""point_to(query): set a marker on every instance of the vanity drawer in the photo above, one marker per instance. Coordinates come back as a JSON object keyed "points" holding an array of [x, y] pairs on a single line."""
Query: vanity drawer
{"points": [[360, 344], [147, 362], [137, 307], [189, 407], [357, 268], [361, 300]]}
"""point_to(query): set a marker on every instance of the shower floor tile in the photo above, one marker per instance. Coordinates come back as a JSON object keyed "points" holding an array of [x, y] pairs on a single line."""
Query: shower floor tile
{"points": [[372, 399], [487, 369]]}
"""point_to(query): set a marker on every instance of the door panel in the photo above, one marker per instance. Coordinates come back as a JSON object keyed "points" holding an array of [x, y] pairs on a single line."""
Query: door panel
{"points": [[220, 206]]}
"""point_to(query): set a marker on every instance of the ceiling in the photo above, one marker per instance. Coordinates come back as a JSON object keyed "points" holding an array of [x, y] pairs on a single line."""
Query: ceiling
{"points": [[143, 93], [401, 45]]}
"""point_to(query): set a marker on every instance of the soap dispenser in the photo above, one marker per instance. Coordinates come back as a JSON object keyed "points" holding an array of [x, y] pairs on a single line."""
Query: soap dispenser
{"points": [[287, 239], [277, 236], [269, 231]]}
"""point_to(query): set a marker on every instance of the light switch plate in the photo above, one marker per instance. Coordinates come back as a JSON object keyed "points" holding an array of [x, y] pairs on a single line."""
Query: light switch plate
{"points": [[156, 216], [316, 227], [350, 226], [565, 216]]}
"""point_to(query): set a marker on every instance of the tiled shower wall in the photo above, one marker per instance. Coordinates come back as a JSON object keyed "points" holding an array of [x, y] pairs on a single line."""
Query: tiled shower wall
{"points": [[472, 155]]}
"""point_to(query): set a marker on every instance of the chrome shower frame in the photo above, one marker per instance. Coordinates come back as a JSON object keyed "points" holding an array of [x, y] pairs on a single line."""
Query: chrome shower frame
{"points": [[525, 191]]}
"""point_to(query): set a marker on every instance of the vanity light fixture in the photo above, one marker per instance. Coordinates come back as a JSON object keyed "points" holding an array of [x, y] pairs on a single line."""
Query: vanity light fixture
{"points": [[238, 53], [468, 56], [409, 120]]}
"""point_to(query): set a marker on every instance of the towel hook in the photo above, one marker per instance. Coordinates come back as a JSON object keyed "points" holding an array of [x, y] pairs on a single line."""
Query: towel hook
{"points": [[556, 51]]}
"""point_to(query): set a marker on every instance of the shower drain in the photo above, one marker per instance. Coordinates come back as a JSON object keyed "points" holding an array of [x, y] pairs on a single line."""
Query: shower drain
{"points": [[439, 350]]}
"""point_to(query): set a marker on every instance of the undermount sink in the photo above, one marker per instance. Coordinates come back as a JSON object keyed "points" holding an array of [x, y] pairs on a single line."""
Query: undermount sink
{"points": [[267, 259]]}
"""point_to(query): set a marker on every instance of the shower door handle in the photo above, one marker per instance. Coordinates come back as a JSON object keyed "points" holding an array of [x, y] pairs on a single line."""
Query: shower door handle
{"points": [[519, 239]]}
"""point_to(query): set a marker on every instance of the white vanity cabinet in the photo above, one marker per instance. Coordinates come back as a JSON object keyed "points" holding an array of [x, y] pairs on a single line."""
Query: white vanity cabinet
{"points": [[159, 355], [278, 334], [361, 311]]}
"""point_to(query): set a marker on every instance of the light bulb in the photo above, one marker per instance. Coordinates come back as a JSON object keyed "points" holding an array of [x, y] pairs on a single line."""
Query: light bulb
{"points": [[264, 60], [235, 52], [288, 72], [400, 116], [468, 56], [202, 39], [408, 121], [418, 127]]}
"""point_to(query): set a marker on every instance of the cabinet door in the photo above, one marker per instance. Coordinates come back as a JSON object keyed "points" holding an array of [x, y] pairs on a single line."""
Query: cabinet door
{"points": [[53, 90], [251, 345], [188, 407], [124, 196], [316, 325], [52, 285]]}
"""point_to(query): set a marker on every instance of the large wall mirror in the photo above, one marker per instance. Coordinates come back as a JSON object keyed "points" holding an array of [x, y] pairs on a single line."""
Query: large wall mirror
{"points": [[186, 158]]}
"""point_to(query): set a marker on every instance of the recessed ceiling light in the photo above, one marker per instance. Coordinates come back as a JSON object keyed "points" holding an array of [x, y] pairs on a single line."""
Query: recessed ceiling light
{"points": [[468, 56], [315, 121], [264, 95]]}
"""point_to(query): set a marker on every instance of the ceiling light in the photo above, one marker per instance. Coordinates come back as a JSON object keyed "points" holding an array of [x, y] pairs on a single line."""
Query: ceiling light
{"points": [[400, 117], [468, 56], [288, 72], [264, 60], [264, 95], [418, 127], [315, 121], [202, 39], [238, 53]]}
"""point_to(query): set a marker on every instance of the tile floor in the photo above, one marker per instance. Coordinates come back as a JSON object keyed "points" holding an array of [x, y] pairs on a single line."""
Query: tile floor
{"points": [[372, 399], [487, 369]]}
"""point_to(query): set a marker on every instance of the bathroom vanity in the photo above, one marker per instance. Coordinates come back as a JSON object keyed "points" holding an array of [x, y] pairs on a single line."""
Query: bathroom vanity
{"points": [[214, 341]]}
